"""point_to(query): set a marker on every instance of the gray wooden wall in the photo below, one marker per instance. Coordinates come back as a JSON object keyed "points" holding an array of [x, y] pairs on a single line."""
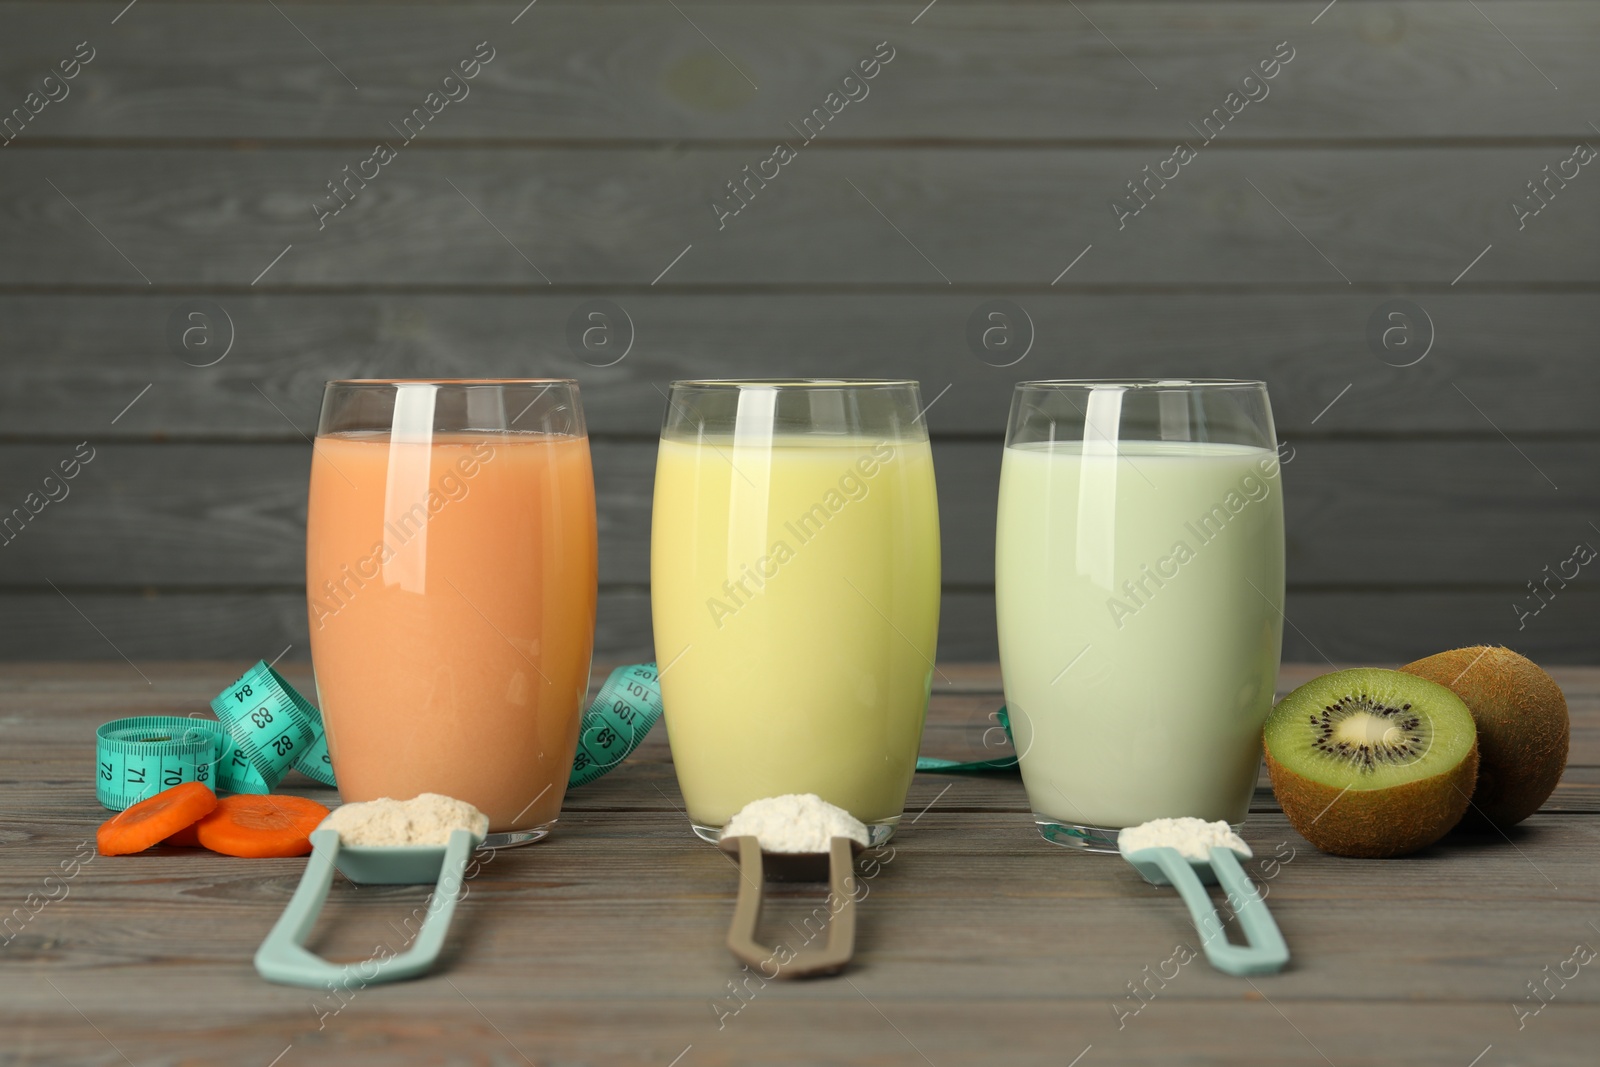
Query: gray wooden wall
{"points": [[181, 164]]}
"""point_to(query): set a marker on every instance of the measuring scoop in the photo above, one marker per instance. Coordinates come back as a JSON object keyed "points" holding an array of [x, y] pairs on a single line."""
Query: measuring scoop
{"points": [[1265, 953], [837, 867], [283, 956]]}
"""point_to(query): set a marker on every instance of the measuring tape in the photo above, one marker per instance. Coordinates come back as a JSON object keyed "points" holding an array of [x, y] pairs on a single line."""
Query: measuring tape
{"points": [[627, 706], [264, 727], [950, 766], [272, 728], [139, 757]]}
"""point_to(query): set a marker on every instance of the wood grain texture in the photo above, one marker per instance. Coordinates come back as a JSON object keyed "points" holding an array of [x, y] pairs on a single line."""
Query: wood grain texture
{"points": [[192, 146], [977, 941], [77, 361], [1387, 628], [971, 71], [965, 696], [186, 159], [804, 1028], [964, 692], [1357, 513], [605, 216]]}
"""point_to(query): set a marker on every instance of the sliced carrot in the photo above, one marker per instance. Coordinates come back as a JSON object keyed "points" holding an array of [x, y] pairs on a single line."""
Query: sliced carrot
{"points": [[254, 826], [188, 837], [155, 819]]}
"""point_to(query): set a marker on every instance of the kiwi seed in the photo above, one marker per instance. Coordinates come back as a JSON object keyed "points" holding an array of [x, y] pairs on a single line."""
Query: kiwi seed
{"points": [[1367, 732]]}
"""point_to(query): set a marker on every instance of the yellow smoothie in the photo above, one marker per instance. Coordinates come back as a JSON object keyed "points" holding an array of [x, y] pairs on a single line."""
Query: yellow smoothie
{"points": [[795, 594]]}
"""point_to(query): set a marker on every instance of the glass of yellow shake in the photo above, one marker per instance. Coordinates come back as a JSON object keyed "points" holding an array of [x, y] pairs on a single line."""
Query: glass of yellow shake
{"points": [[1139, 592], [795, 593]]}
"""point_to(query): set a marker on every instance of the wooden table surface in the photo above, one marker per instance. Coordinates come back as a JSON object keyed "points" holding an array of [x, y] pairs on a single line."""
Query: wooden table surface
{"points": [[978, 942]]}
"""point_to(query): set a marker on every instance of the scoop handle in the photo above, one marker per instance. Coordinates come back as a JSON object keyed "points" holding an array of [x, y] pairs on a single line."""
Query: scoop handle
{"points": [[284, 958], [1266, 952], [831, 958]]}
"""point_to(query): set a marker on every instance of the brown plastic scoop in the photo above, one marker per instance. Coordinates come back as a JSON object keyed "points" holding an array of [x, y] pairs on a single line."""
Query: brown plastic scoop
{"points": [[837, 867]]}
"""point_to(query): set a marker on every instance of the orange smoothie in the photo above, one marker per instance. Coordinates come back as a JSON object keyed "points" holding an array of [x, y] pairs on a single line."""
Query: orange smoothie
{"points": [[451, 588]]}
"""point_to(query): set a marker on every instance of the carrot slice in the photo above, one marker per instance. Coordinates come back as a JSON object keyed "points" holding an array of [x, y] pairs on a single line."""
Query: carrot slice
{"points": [[185, 838], [255, 826], [155, 819]]}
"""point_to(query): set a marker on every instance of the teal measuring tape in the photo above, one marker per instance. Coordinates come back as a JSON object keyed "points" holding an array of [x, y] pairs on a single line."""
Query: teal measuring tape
{"points": [[983, 766], [623, 712], [272, 728], [264, 727], [139, 757]]}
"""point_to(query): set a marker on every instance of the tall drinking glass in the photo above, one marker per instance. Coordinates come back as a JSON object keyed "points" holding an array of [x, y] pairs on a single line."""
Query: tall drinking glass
{"points": [[450, 579], [1139, 588], [794, 569]]}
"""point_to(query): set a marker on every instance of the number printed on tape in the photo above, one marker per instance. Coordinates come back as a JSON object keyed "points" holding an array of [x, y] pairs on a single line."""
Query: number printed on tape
{"points": [[275, 728], [139, 757], [267, 729], [623, 712]]}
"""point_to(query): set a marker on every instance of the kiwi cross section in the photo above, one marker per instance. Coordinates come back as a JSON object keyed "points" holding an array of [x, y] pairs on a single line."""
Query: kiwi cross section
{"points": [[1370, 762]]}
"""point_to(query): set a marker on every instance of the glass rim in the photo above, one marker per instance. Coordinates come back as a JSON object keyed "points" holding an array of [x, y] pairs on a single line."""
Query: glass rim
{"points": [[795, 383], [1144, 383], [379, 382]]}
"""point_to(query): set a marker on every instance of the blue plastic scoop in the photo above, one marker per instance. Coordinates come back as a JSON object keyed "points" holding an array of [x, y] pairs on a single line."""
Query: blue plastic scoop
{"points": [[283, 956], [1265, 953]]}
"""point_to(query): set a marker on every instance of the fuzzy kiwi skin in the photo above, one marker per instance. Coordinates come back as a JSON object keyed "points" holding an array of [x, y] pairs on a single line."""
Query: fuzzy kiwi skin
{"points": [[1375, 823], [1523, 728]]}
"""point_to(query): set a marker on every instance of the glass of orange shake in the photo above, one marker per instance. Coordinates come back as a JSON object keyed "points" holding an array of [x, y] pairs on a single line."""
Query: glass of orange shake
{"points": [[450, 581]]}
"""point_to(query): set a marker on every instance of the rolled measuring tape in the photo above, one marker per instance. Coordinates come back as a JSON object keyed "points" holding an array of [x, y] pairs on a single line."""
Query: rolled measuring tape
{"points": [[139, 757], [272, 728], [264, 727]]}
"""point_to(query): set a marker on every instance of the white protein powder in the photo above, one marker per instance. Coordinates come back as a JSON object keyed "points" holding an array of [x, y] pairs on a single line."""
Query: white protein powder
{"points": [[1192, 838], [795, 822], [423, 820]]}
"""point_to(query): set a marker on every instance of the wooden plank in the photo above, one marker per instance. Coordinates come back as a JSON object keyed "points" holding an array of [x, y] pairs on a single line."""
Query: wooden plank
{"points": [[798, 1026], [625, 914], [149, 625], [624, 216], [1388, 629], [50, 714], [965, 71], [594, 870], [961, 681], [39, 708], [77, 361], [678, 893], [1478, 513], [1384, 628], [652, 786]]}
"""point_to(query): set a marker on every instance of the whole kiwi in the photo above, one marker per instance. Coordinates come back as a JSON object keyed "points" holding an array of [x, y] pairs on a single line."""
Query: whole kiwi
{"points": [[1523, 728]]}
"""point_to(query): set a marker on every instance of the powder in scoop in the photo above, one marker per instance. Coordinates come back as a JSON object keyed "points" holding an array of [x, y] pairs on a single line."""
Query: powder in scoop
{"points": [[1192, 838], [795, 822], [424, 820]]}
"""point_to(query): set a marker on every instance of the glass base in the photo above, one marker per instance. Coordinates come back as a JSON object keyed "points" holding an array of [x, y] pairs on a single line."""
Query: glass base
{"points": [[1086, 838], [877, 832], [514, 838]]}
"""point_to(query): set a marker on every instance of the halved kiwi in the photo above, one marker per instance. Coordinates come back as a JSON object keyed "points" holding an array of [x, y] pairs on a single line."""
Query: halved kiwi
{"points": [[1370, 762]]}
